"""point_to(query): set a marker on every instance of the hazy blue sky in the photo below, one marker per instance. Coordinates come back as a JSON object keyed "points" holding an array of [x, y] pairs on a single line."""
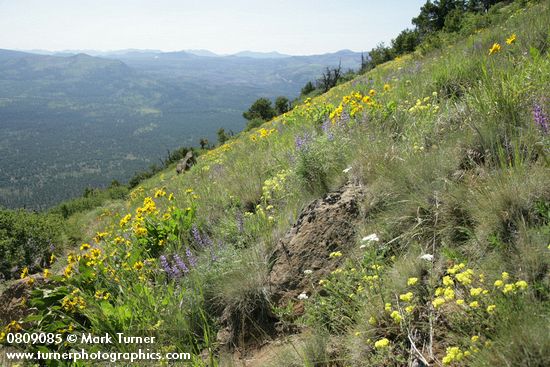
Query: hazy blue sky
{"points": [[288, 26]]}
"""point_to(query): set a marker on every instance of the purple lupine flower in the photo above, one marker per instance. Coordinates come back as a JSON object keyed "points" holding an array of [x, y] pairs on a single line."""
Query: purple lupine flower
{"points": [[326, 129], [540, 118], [166, 266], [302, 142], [176, 272], [191, 258], [213, 255], [180, 264], [240, 222], [197, 235], [207, 241]]}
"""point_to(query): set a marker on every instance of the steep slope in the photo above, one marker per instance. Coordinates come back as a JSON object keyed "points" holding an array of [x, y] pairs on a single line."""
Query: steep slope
{"points": [[447, 264]]}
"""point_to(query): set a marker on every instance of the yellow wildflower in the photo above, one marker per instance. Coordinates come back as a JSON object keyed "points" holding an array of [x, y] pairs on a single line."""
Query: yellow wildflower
{"points": [[387, 307], [335, 254], [382, 343], [494, 49], [372, 92], [24, 272], [465, 277], [138, 265], [46, 273], [438, 302], [521, 284], [372, 320], [412, 281], [84, 247], [407, 297], [387, 87], [511, 39], [509, 288], [447, 281], [474, 338], [499, 283], [125, 220], [409, 309], [454, 354], [449, 294], [460, 302], [160, 193], [475, 291], [491, 308], [68, 271], [474, 304], [505, 276]]}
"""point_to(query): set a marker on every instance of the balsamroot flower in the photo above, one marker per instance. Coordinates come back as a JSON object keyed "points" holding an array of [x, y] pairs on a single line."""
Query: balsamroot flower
{"points": [[494, 49]]}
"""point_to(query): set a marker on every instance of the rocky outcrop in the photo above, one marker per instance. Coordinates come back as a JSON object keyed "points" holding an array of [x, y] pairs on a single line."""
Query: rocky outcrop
{"points": [[13, 299], [324, 226], [185, 163]]}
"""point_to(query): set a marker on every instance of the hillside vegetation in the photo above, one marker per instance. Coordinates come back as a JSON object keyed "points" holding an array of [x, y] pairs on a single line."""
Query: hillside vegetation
{"points": [[450, 262]]}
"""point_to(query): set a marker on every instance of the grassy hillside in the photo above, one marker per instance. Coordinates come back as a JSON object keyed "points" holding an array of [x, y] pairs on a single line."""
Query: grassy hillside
{"points": [[450, 264]]}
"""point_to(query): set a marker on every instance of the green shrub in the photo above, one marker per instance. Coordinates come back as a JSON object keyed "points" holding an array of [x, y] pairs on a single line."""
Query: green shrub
{"points": [[26, 239]]}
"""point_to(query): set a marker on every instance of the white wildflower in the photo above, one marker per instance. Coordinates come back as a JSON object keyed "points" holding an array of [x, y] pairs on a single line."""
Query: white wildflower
{"points": [[427, 257], [303, 296], [373, 237], [308, 272]]}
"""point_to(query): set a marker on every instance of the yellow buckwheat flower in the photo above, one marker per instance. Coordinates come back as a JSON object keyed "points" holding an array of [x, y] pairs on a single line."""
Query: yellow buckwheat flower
{"points": [[447, 281], [521, 284], [407, 297], [449, 294], [382, 343], [438, 302], [412, 281], [509, 288], [475, 291]]}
